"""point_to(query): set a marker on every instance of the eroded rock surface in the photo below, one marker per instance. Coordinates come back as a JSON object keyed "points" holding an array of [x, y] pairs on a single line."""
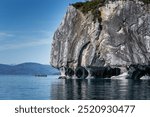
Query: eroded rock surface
{"points": [[121, 38]]}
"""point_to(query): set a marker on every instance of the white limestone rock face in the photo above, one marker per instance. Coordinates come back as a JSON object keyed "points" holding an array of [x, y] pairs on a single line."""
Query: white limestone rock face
{"points": [[121, 38]]}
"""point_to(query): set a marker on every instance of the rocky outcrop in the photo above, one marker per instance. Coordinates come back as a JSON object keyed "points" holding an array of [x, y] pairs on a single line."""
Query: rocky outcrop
{"points": [[121, 38], [137, 71]]}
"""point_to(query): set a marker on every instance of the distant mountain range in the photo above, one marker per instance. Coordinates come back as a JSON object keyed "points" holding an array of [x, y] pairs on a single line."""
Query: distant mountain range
{"points": [[27, 69]]}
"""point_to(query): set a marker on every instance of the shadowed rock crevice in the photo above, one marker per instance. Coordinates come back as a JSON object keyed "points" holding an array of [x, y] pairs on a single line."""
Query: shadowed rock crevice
{"points": [[81, 53]]}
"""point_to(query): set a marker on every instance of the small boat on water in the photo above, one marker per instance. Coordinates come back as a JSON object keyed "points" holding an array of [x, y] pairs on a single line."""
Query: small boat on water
{"points": [[40, 75]]}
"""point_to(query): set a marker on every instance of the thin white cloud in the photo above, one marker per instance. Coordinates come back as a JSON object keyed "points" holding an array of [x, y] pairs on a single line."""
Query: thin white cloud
{"points": [[24, 45], [4, 34], [44, 32]]}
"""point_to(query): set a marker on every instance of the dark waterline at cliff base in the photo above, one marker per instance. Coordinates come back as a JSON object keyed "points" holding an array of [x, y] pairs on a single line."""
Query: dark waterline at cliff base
{"points": [[52, 88]]}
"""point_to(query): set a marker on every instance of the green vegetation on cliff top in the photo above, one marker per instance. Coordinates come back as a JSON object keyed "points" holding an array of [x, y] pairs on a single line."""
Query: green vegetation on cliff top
{"points": [[88, 5], [94, 4], [146, 1]]}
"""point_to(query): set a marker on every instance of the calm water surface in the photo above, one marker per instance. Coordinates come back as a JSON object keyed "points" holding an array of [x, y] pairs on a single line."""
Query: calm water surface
{"points": [[50, 88]]}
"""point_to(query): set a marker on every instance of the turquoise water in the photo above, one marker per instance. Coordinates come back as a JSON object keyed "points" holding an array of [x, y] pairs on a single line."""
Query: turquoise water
{"points": [[49, 88]]}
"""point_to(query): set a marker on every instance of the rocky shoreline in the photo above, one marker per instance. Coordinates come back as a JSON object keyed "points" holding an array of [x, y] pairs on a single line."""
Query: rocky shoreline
{"points": [[134, 71]]}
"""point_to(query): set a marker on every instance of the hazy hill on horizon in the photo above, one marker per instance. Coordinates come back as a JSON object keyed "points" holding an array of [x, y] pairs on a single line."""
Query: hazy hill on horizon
{"points": [[27, 69]]}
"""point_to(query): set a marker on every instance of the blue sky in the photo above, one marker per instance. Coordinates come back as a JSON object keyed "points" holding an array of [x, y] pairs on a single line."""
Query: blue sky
{"points": [[27, 28]]}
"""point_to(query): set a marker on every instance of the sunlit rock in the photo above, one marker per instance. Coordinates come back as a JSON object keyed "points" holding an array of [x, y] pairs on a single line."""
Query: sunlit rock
{"points": [[117, 37]]}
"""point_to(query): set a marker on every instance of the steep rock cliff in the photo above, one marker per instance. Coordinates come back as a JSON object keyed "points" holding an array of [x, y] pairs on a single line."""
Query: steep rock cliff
{"points": [[120, 38]]}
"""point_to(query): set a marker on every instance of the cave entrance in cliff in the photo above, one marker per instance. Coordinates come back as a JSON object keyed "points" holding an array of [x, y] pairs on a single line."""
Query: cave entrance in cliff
{"points": [[81, 72]]}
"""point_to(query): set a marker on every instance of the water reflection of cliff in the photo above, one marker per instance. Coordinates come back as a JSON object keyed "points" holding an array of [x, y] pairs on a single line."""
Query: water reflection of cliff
{"points": [[106, 89]]}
